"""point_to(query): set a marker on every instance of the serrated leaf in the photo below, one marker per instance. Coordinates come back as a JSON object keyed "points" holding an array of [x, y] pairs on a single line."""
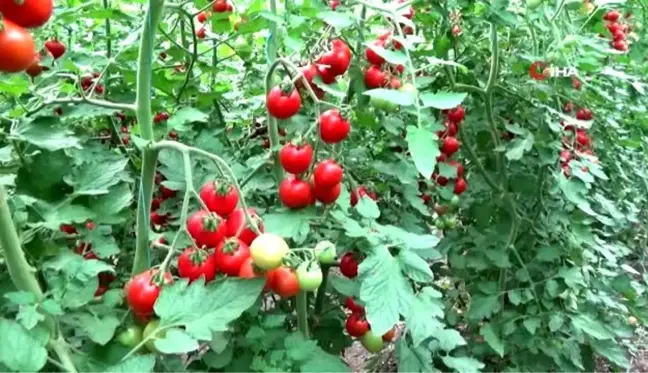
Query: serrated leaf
{"points": [[492, 339], [443, 100], [392, 56], [368, 208], [422, 317], [29, 317], [298, 348], [179, 120], [483, 306], [463, 364], [415, 267], [423, 146], [43, 133], [397, 97], [556, 322], [290, 223], [416, 359], [206, 309], [591, 327], [449, 339], [135, 363], [109, 206], [612, 351], [519, 146], [20, 351], [94, 178], [531, 324], [218, 360], [20, 298], [176, 341], [339, 20], [100, 330], [344, 285]]}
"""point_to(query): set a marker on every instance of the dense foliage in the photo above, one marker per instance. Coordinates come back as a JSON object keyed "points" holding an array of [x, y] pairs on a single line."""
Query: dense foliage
{"points": [[254, 185]]}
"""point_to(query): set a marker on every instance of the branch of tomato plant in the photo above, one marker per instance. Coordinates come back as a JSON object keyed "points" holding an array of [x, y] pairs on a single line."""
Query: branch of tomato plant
{"points": [[172, 40], [74, 100], [254, 171], [559, 9], [108, 39], [321, 291], [144, 118], [194, 54]]}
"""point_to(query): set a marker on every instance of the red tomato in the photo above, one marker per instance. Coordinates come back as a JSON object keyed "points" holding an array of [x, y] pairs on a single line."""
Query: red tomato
{"points": [[568, 108], [296, 158], [219, 197], [295, 193], [614, 27], [458, 166], [327, 195], [206, 229], [248, 271], [612, 16], [334, 4], [565, 156], [333, 127], [584, 114], [193, 263], [221, 6], [353, 306], [326, 74], [576, 83], [583, 139], [327, 174], [457, 114], [456, 30], [230, 255], [166, 192], [68, 229], [373, 57], [55, 48], [161, 117], [310, 72], [285, 282], [158, 219], [101, 290], [441, 180], [201, 33], [360, 192], [450, 146], [389, 336], [394, 83], [142, 292], [17, 48], [460, 186], [283, 105], [356, 325], [236, 222], [35, 69], [620, 45], [375, 77], [349, 265], [338, 58], [202, 17], [27, 13]]}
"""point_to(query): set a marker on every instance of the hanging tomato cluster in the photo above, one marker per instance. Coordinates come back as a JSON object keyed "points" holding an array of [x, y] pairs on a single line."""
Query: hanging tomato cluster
{"points": [[222, 7], [618, 30], [357, 326], [449, 146], [163, 194], [576, 142], [17, 47]]}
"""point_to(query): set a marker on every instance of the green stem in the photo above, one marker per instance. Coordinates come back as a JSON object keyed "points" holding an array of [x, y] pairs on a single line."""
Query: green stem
{"points": [[144, 117], [302, 313], [60, 347], [194, 54], [273, 128], [321, 292]]}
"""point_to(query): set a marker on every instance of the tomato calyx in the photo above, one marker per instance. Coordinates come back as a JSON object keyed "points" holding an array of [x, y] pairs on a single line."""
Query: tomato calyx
{"points": [[197, 256], [211, 222]]}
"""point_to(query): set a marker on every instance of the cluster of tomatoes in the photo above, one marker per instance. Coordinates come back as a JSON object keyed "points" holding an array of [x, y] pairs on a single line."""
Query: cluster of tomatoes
{"points": [[162, 195], [88, 81], [17, 46], [357, 326], [332, 63], [219, 6], [617, 29], [449, 146], [576, 142], [85, 250]]}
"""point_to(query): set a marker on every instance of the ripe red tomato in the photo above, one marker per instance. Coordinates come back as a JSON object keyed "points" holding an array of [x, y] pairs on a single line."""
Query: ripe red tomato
{"points": [[349, 265], [334, 4], [583, 139], [375, 77], [456, 115], [584, 114], [27, 13], [236, 222], [193, 263], [206, 229], [327, 195], [248, 271], [456, 30], [568, 108], [360, 192], [338, 58], [576, 84], [230, 255], [353, 306], [296, 158], [221, 6], [326, 74], [142, 292], [219, 197], [327, 174], [160, 117], [333, 127], [166, 192], [565, 156], [158, 219], [295, 193], [35, 69], [201, 33], [450, 146], [614, 27], [17, 48], [389, 336], [460, 186], [283, 105], [202, 17], [310, 72], [612, 16], [373, 57], [285, 282], [356, 325], [68, 229], [620, 45], [619, 35]]}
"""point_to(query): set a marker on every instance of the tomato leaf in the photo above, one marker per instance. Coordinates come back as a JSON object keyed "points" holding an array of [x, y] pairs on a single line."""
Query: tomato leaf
{"points": [[187, 115], [424, 315], [94, 178], [393, 57], [339, 20], [100, 329], [20, 350], [176, 341], [44, 133], [423, 146], [449, 339], [490, 336], [413, 358], [397, 97], [443, 100], [290, 223], [368, 208], [219, 359], [590, 326], [344, 285], [463, 364], [415, 267], [136, 363]]}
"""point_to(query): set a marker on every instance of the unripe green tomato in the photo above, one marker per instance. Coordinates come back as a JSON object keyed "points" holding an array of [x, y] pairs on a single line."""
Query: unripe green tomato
{"points": [[130, 337], [440, 223], [450, 221], [309, 276], [533, 4], [372, 342], [384, 105], [325, 252], [242, 47], [454, 202], [150, 328]]}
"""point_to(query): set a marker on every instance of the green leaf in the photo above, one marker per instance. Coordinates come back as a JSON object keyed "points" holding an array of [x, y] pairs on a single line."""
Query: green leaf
{"points": [[612, 351], [368, 208], [443, 100], [43, 133], [384, 290], [218, 360], [391, 56], [423, 146], [556, 321], [483, 306], [492, 339], [344, 285], [415, 267], [135, 363], [321, 361], [107, 208], [100, 330], [299, 348], [20, 351], [29, 317], [94, 178], [591, 327], [339, 20], [21, 298], [290, 223], [463, 364], [422, 316], [206, 309], [532, 324], [449, 339], [416, 359], [392, 95], [573, 277], [187, 115], [176, 341], [519, 146]]}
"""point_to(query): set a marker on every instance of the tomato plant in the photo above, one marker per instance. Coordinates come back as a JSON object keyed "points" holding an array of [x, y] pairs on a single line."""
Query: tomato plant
{"points": [[449, 186]]}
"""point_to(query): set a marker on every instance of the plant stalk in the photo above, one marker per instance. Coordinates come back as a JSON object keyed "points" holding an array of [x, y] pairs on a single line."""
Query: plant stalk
{"points": [[302, 313]]}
